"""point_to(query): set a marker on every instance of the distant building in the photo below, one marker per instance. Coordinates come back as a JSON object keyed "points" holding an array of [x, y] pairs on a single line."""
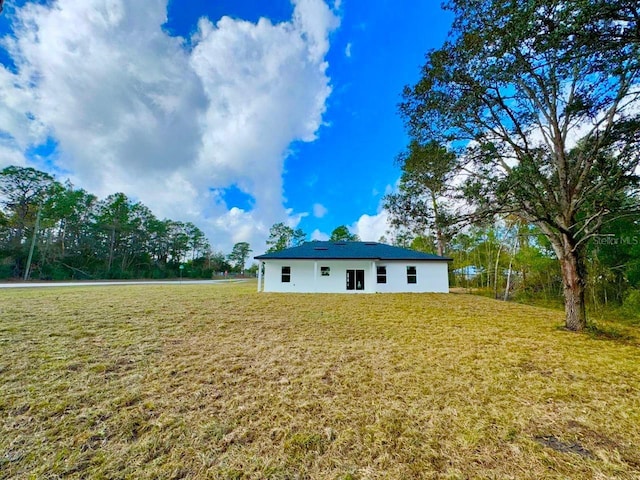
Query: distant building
{"points": [[352, 267]]}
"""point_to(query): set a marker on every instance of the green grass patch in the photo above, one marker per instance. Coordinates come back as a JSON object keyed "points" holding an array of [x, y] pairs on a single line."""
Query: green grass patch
{"points": [[217, 381]]}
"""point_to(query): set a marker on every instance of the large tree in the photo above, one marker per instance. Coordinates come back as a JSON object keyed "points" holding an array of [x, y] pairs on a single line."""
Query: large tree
{"points": [[282, 236], [115, 223], [239, 255], [540, 98], [419, 205], [342, 234], [197, 240], [69, 212], [23, 191]]}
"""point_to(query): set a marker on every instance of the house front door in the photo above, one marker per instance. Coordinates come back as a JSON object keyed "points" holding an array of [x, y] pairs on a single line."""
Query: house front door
{"points": [[355, 279]]}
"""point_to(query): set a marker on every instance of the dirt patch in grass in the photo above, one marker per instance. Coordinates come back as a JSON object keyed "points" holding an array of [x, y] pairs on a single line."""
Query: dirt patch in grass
{"points": [[218, 381], [564, 447]]}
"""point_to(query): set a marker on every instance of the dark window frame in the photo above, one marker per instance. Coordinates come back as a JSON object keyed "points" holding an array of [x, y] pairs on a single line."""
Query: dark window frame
{"points": [[412, 274], [285, 273], [325, 271], [381, 274], [355, 279]]}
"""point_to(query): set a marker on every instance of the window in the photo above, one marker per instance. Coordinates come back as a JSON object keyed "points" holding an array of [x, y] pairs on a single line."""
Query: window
{"points": [[325, 271], [412, 275], [286, 274], [382, 274]]}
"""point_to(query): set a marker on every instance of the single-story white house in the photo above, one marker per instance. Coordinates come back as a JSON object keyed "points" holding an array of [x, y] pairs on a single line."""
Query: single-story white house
{"points": [[351, 267]]}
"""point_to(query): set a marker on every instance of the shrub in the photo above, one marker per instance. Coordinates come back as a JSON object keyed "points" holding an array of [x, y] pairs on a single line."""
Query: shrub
{"points": [[631, 302]]}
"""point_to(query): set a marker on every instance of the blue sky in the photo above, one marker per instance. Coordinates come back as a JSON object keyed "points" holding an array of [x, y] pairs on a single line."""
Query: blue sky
{"points": [[233, 114]]}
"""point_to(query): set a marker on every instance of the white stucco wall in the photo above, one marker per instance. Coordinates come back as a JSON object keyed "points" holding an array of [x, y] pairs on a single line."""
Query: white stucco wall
{"points": [[431, 277], [306, 276], [304, 280]]}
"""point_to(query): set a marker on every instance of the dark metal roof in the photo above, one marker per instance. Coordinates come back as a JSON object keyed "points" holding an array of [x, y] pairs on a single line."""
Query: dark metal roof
{"points": [[349, 251]]}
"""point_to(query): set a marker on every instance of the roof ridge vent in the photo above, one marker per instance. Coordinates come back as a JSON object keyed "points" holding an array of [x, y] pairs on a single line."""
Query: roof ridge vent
{"points": [[371, 244]]}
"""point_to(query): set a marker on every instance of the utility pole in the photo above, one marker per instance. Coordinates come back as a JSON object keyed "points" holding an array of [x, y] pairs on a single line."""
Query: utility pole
{"points": [[33, 244]]}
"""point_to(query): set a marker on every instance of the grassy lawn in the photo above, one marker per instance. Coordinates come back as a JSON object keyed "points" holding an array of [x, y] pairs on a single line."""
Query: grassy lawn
{"points": [[217, 381]]}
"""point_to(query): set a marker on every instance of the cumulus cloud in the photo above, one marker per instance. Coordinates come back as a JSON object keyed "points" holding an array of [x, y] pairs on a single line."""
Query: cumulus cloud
{"points": [[319, 210], [320, 236], [9, 154], [370, 228], [114, 90], [314, 19], [133, 110], [18, 128]]}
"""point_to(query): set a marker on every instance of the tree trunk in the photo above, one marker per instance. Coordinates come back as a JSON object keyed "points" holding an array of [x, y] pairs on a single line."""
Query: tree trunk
{"points": [[111, 248], [440, 241], [573, 279], [574, 274], [495, 275], [523, 242], [62, 234], [508, 286]]}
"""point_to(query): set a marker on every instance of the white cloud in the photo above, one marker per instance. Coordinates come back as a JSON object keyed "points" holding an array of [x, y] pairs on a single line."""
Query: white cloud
{"points": [[318, 235], [239, 226], [9, 155], [133, 110], [114, 90], [347, 50], [314, 19], [371, 227], [294, 219], [319, 210], [18, 129]]}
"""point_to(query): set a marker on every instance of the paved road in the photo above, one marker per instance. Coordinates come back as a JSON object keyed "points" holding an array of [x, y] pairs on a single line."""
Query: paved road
{"points": [[114, 283]]}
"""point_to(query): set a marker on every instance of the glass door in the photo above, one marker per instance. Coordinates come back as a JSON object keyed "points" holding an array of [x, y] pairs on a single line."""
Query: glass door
{"points": [[355, 279]]}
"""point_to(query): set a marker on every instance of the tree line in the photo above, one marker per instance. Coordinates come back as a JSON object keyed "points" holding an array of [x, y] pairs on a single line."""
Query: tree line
{"points": [[509, 259], [528, 115], [52, 230]]}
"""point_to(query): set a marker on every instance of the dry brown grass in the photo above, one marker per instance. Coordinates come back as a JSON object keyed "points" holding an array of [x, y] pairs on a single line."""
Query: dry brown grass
{"points": [[208, 381]]}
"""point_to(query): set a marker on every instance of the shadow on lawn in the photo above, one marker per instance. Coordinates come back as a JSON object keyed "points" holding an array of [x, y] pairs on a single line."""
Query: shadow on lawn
{"points": [[607, 332]]}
